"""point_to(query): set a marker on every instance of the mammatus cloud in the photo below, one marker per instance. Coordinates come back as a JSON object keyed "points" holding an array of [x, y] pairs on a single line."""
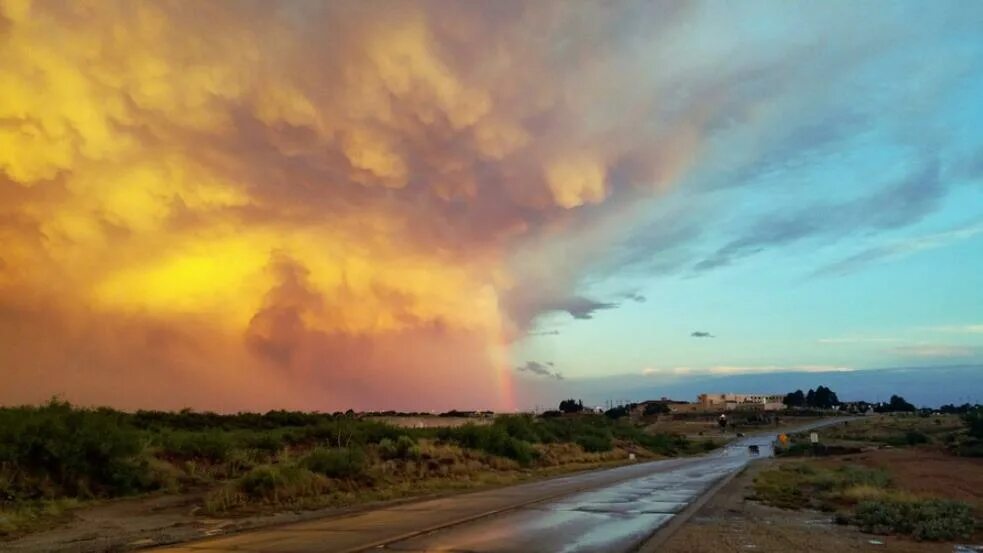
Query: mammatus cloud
{"points": [[345, 204], [701, 334], [540, 369]]}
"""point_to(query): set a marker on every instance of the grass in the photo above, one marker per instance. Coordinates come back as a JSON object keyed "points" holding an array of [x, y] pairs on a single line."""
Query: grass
{"points": [[53, 453], [928, 519], [29, 515], [869, 497], [864, 497], [806, 485]]}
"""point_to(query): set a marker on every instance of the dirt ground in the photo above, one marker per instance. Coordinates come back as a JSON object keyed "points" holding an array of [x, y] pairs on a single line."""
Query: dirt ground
{"points": [[730, 523], [930, 472]]}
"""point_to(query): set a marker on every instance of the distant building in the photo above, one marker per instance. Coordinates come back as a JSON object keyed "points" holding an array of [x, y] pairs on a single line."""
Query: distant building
{"points": [[731, 402], [672, 406]]}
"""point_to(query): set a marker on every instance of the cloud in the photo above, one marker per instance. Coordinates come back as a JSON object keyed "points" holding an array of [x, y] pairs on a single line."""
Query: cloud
{"points": [[701, 334], [900, 249], [958, 329], [540, 369], [856, 340], [579, 307], [650, 371], [938, 351], [741, 369], [222, 209], [898, 204]]}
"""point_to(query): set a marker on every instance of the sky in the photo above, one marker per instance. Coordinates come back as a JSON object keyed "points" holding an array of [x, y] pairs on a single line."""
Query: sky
{"points": [[433, 205]]}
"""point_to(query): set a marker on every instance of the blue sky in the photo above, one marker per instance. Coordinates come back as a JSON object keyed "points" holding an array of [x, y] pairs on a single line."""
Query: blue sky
{"points": [[839, 224]]}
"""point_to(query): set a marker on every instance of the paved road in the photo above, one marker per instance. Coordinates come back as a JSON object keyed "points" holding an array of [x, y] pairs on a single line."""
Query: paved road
{"points": [[607, 510]]}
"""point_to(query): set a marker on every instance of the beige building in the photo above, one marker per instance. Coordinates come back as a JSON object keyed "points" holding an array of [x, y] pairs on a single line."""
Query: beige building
{"points": [[730, 402]]}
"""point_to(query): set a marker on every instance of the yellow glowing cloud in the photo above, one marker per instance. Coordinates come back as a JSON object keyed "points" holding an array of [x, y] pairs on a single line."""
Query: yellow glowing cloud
{"points": [[575, 182], [223, 279], [166, 167], [370, 152], [404, 57]]}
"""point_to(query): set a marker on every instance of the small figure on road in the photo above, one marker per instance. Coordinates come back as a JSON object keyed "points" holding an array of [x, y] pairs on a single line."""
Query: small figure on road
{"points": [[753, 450]]}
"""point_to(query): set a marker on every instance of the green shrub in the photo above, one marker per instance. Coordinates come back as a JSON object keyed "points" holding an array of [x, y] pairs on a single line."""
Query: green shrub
{"points": [[403, 448], [82, 452], [974, 422], [261, 482], [595, 443], [349, 462], [280, 483], [913, 437], [268, 442], [407, 448], [210, 445], [852, 475], [520, 427], [926, 520]]}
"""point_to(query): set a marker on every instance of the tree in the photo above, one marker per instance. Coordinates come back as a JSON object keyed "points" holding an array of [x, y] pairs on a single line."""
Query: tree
{"points": [[795, 399], [896, 405], [824, 398], [617, 412], [571, 406], [656, 408], [974, 420]]}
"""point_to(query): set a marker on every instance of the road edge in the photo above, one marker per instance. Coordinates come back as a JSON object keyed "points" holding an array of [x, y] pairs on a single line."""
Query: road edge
{"points": [[667, 530]]}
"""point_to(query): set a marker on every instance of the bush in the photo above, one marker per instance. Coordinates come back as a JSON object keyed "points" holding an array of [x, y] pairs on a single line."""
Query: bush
{"points": [[83, 452], [403, 448], [280, 483], [926, 520], [347, 462], [211, 445], [974, 422], [913, 437], [494, 439], [261, 482], [521, 427], [656, 409], [595, 443], [852, 475], [267, 441]]}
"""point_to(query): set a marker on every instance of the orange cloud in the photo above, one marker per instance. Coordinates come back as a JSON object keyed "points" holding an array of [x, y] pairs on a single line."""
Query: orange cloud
{"points": [[300, 205]]}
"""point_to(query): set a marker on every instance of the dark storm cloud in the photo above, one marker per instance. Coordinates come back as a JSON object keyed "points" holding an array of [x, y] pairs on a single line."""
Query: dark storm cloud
{"points": [[701, 334], [540, 369], [580, 307]]}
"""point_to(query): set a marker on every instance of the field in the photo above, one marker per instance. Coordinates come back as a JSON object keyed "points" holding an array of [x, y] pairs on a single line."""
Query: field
{"points": [[60, 466], [897, 482]]}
